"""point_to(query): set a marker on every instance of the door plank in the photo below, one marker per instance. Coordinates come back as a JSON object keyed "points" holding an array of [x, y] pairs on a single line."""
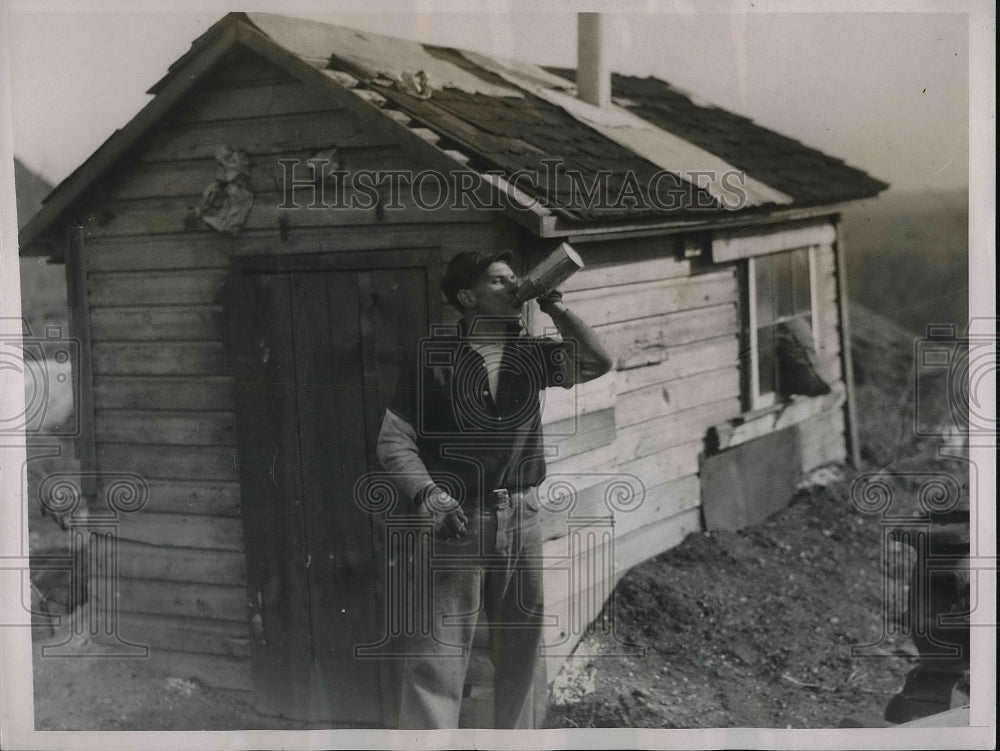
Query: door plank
{"points": [[264, 369], [341, 575], [393, 322]]}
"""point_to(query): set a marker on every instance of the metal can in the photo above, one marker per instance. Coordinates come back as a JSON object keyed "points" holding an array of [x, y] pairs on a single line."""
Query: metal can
{"points": [[552, 271]]}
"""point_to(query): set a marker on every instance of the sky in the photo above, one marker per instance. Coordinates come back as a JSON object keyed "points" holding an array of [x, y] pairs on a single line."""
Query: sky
{"points": [[886, 92]]}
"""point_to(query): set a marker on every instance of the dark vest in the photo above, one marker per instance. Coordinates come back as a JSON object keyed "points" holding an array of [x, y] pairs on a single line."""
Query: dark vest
{"points": [[469, 442]]}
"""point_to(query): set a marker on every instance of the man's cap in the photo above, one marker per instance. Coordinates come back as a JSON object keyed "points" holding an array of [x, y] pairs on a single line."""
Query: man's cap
{"points": [[465, 269]]}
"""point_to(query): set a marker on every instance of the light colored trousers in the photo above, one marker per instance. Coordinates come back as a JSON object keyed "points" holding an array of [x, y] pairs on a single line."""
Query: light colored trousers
{"points": [[470, 574]]}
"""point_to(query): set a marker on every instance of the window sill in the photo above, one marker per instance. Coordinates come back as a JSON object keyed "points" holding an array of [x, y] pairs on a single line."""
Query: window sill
{"points": [[761, 422]]}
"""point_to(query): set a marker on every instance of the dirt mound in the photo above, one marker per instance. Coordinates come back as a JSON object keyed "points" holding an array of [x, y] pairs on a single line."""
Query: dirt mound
{"points": [[754, 628], [792, 623]]}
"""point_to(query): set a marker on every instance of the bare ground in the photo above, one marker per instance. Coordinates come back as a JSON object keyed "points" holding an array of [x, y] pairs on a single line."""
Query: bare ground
{"points": [[751, 629]]}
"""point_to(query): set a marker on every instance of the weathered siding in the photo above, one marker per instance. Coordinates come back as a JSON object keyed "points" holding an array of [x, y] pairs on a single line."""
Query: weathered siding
{"points": [[164, 403], [674, 332], [674, 336]]}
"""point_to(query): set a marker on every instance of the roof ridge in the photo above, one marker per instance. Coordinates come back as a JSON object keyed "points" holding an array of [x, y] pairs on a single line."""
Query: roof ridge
{"points": [[197, 44]]}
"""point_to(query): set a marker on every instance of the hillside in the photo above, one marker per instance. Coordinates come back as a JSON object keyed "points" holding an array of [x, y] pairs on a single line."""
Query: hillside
{"points": [[43, 285], [29, 191], [908, 257]]}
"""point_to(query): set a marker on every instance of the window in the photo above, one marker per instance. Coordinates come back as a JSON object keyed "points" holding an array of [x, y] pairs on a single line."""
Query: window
{"points": [[781, 289]]}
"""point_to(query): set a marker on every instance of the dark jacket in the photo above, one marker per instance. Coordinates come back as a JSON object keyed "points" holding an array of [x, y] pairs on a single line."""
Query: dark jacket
{"points": [[469, 443]]}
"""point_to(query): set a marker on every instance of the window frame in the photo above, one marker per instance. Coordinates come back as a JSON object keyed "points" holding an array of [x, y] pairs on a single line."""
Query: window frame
{"points": [[757, 400]]}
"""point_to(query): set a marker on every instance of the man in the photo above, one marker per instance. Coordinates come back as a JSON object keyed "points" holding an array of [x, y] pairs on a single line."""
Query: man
{"points": [[463, 438]]}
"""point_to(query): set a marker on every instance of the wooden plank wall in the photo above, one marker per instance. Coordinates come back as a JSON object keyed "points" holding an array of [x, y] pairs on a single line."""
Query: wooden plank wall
{"points": [[164, 401], [633, 452], [674, 332]]}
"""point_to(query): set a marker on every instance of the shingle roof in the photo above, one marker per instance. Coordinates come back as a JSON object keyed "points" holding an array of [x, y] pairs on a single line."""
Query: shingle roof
{"points": [[518, 135], [806, 174], [516, 120], [504, 126], [507, 123]]}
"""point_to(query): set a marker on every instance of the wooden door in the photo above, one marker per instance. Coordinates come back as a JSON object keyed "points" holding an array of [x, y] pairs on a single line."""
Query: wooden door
{"points": [[318, 344]]}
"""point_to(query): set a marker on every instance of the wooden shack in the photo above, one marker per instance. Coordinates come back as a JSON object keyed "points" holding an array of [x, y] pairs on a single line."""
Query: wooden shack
{"points": [[240, 342]]}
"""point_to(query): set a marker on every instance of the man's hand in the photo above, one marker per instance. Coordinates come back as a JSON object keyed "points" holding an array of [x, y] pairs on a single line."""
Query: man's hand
{"points": [[551, 302], [449, 519]]}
